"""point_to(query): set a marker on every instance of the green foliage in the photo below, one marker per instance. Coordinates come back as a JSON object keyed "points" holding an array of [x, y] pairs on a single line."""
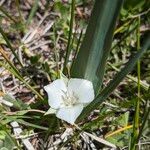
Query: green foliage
{"points": [[17, 104], [116, 80], [90, 64], [35, 59], [95, 47], [120, 139], [8, 142], [32, 12], [62, 9]]}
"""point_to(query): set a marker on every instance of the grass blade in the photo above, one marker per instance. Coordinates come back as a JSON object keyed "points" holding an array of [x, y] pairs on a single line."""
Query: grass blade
{"points": [[115, 82], [33, 11], [2, 127], [9, 45], [134, 138], [16, 73], [77, 48], [21, 19], [146, 116], [144, 85], [68, 51], [7, 14], [95, 47], [31, 124], [9, 62]]}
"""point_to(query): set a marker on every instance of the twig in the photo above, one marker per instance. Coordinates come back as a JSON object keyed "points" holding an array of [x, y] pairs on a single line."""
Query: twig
{"points": [[17, 131], [141, 14], [1, 3], [97, 138]]}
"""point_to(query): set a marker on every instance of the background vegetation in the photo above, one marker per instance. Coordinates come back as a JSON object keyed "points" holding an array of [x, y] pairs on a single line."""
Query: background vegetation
{"points": [[34, 37]]}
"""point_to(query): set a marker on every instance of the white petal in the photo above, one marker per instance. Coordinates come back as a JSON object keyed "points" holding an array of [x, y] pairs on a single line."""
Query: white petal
{"points": [[55, 91], [70, 114], [83, 89], [64, 78], [60, 84]]}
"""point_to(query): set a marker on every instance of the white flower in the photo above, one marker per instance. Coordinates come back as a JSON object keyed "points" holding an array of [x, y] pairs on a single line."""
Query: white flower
{"points": [[69, 97]]}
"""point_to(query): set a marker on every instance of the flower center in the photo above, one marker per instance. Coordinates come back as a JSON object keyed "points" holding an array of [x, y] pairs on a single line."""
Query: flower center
{"points": [[69, 99]]}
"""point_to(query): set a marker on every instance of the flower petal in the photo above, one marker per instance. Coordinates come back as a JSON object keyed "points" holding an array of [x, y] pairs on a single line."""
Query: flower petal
{"points": [[82, 88], [59, 84], [55, 91], [70, 114]]}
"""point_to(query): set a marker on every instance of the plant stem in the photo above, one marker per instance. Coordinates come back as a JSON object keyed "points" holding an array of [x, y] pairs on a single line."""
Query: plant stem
{"points": [[77, 48], [32, 12], [21, 19], [3, 128], [8, 15], [55, 50], [134, 139], [68, 51], [10, 46], [144, 85], [145, 114]]}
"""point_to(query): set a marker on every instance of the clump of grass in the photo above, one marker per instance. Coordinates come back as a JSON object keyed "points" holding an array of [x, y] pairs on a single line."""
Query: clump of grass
{"points": [[48, 49]]}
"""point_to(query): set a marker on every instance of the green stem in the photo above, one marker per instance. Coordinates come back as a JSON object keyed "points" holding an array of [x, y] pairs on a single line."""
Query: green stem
{"points": [[10, 136], [68, 51], [144, 85], [19, 11], [8, 15], [145, 114], [32, 12], [55, 50], [9, 45], [21, 19], [134, 139], [77, 48], [15, 72]]}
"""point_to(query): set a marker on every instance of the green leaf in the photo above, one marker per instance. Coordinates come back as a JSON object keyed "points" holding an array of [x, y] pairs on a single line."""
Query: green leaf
{"points": [[32, 12], [31, 124], [35, 59], [8, 143], [10, 45], [68, 51], [53, 127], [18, 75], [93, 53], [18, 104], [2, 134], [59, 7], [123, 119], [3, 148], [115, 82], [7, 14]]}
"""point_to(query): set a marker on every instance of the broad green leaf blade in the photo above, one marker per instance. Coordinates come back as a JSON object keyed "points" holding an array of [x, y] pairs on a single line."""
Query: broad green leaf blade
{"points": [[115, 82], [93, 53]]}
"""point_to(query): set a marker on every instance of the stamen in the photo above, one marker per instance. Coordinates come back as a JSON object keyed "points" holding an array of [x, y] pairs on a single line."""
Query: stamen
{"points": [[69, 99]]}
